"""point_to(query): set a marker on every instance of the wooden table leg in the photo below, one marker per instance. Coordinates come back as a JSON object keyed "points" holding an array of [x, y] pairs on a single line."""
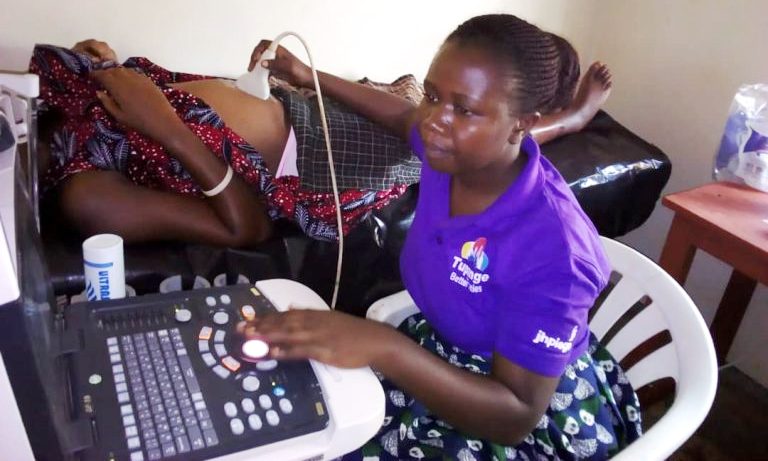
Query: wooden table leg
{"points": [[678, 252], [732, 307]]}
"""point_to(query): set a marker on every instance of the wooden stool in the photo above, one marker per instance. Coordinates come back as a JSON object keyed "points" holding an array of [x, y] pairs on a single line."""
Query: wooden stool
{"points": [[730, 222]]}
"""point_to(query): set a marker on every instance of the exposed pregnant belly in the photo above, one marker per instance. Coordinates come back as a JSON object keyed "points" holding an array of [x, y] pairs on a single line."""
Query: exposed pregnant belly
{"points": [[261, 123]]}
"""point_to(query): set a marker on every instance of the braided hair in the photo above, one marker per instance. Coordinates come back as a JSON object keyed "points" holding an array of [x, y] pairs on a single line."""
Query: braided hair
{"points": [[570, 71], [530, 56]]}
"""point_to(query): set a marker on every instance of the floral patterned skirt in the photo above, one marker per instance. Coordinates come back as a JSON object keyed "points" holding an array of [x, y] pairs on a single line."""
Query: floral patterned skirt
{"points": [[89, 139], [593, 414]]}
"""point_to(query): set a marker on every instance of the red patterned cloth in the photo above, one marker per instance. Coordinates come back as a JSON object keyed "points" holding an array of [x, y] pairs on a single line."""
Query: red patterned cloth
{"points": [[90, 139]]}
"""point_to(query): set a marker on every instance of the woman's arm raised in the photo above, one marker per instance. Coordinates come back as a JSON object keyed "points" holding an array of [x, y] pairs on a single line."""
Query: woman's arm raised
{"points": [[388, 110]]}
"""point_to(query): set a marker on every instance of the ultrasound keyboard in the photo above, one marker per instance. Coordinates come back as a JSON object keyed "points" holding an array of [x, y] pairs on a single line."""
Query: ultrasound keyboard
{"points": [[162, 406], [160, 377]]}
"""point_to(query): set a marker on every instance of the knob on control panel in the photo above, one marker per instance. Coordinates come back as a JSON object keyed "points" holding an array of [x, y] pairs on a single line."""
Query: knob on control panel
{"points": [[255, 349], [183, 315]]}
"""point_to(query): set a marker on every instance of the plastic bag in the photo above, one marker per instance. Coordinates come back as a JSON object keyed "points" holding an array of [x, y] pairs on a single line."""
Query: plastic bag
{"points": [[743, 153]]}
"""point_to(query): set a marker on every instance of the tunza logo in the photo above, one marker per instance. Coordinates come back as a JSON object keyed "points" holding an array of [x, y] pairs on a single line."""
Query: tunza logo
{"points": [[557, 343], [468, 269]]}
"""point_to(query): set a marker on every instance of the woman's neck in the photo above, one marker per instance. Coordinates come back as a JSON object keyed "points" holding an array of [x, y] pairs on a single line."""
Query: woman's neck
{"points": [[474, 192]]}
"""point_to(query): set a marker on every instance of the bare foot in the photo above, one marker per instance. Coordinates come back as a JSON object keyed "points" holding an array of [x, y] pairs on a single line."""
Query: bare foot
{"points": [[594, 88], [592, 93]]}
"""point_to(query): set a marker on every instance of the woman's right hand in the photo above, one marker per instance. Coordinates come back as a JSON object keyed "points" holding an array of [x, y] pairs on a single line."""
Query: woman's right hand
{"points": [[135, 101], [96, 50], [284, 66]]}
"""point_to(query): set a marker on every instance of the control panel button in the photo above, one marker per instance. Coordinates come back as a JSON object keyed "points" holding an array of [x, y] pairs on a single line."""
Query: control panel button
{"points": [[273, 419], [231, 363], [285, 406], [248, 312], [251, 384], [255, 349], [225, 299], [205, 333], [203, 346], [210, 301], [220, 349], [219, 336], [265, 402], [220, 318], [230, 409], [255, 422], [183, 315], [278, 391], [209, 359], [221, 371], [236, 426], [266, 365], [248, 405]]}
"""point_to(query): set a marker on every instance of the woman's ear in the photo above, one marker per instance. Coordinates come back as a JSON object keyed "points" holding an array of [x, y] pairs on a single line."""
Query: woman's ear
{"points": [[523, 125]]}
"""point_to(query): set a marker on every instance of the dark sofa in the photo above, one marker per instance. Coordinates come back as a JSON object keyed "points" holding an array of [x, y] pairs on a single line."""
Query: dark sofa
{"points": [[616, 176]]}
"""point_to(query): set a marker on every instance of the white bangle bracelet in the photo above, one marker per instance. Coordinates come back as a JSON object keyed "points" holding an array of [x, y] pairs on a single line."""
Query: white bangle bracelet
{"points": [[220, 186]]}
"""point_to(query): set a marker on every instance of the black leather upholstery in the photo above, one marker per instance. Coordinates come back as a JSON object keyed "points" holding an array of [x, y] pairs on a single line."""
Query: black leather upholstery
{"points": [[616, 176]]}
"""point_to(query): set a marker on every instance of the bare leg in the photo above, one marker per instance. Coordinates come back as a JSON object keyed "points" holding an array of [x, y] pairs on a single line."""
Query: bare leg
{"points": [[106, 201], [593, 90]]}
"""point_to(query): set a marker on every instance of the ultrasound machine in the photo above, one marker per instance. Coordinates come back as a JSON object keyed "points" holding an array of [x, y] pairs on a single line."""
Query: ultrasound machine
{"points": [[155, 377]]}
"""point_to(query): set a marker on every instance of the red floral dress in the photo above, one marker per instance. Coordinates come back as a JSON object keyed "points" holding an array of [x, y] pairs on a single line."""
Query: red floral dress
{"points": [[89, 138]]}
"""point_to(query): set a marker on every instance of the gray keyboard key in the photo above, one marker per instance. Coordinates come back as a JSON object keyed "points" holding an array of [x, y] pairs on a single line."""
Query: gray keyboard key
{"points": [[149, 434], [182, 444], [151, 443], [178, 430], [206, 424], [210, 437], [189, 374], [188, 411], [169, 449], [196, 438], [133, 443], [166, 438]]}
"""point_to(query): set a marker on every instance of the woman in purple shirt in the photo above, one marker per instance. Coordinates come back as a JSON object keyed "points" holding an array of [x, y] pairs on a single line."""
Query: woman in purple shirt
{"points": [[501, 261]]}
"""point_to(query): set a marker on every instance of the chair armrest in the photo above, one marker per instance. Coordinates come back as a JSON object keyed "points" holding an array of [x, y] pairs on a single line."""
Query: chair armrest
{"points": [[392, 309], [678, 424]]}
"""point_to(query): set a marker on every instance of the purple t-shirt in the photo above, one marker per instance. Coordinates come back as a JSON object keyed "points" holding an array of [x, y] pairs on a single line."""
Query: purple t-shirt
{"points": [[518, 278]]}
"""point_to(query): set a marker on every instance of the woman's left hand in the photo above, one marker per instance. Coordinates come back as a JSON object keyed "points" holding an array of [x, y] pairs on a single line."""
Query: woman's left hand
{"points": [[134, 100], [334, 338]]}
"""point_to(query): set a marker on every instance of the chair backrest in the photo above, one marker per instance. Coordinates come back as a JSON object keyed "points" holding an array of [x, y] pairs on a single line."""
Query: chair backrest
{"points": [[653, 328]]}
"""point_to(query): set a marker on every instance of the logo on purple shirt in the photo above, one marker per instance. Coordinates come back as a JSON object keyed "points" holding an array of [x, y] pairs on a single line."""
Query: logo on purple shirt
{"points": [[468, 269], [556, 342]]}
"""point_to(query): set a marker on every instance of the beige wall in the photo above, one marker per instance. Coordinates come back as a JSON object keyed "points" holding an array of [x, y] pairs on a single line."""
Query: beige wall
{"points": [[353, 38], [676, 66]]}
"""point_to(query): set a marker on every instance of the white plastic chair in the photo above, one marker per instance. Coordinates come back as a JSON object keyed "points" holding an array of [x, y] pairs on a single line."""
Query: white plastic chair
{"points": [[657, 307]]}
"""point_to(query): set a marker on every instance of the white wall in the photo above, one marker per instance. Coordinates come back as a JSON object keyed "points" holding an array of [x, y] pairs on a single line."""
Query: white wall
{"points": [[352, 38], [677, 65]]}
